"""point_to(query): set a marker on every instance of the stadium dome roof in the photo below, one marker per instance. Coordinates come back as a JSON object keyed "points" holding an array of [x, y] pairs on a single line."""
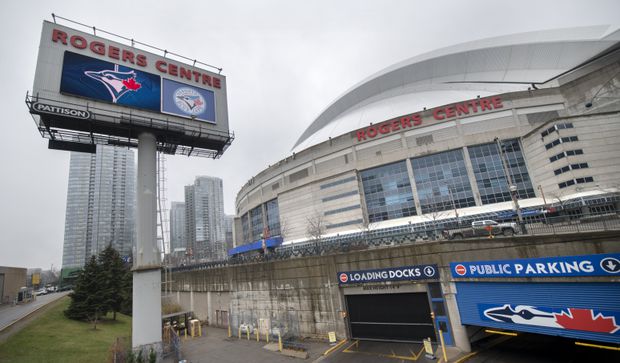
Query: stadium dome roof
{"points": [[464, 71]]}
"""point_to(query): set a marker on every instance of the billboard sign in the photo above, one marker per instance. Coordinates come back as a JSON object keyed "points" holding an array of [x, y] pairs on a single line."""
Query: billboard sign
{"points": [[404, 273], [565, 266], [56, 110], [125, 91], [188, 101], [101, 80]]}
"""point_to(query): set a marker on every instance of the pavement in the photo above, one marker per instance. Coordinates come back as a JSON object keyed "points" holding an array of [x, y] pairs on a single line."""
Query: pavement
{"points": [[12, 314], [387, 352], [215, 346]]}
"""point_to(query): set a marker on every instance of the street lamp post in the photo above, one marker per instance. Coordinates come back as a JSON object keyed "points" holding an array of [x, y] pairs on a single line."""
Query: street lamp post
{"points": [[456, 212], [545, 210], [512, 187]]}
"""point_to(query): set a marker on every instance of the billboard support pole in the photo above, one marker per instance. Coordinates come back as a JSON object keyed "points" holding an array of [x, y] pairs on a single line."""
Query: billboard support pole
{"points": [[146, 321]]}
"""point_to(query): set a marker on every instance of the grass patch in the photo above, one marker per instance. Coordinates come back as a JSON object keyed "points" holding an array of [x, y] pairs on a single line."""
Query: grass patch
{"points": [[51, 337]]}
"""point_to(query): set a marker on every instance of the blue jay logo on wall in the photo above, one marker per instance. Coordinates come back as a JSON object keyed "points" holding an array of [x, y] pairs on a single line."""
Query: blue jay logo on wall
{"points": [[569, 318]]}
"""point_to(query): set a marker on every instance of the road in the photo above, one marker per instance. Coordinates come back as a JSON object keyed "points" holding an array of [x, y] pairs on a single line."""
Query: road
{"points": [[9, 314], [535, 348]]}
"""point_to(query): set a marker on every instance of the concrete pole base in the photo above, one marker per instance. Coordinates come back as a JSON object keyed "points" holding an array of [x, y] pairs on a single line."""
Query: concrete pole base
{"points": [[146, 349]]}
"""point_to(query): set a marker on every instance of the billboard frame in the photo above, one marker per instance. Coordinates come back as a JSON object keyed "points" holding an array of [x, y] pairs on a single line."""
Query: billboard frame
{"points": [[78, 123]]}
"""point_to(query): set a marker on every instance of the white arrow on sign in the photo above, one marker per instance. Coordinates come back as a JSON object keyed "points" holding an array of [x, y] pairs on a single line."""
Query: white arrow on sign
{"points": [[610, 265]]}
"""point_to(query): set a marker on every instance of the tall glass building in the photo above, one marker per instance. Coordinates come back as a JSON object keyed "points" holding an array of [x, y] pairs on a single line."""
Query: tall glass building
{"points": [[204, 218], [177, 226], [100, 204]]}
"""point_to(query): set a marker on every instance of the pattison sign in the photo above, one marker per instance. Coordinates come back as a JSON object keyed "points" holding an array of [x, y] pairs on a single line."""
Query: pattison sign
{"points": [[444, 113]]}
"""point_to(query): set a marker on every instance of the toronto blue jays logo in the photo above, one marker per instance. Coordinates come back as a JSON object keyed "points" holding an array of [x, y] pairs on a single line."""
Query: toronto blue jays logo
{"points": [[189, 101], [116, 82], [561, 318]]}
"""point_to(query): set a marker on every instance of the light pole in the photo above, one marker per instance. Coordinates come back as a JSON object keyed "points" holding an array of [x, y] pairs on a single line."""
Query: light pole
{"points": [[512, 187], [456, 212], [545, 210]]}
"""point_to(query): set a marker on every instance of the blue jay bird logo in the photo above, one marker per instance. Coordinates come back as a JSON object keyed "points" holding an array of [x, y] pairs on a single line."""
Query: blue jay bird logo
{"points": [[116, 82], [189, 101]]}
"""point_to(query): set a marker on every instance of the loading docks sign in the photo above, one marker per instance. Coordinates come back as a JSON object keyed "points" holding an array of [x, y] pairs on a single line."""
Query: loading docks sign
{"points": [[404, 273], [565, 266]]}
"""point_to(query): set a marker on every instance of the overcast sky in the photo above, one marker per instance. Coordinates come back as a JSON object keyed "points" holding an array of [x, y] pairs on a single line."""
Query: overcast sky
{"points": [[285, 61]]}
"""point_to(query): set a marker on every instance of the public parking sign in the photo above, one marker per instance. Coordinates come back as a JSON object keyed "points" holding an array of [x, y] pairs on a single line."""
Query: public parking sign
{"points": [[565, 266], [417, 272]]}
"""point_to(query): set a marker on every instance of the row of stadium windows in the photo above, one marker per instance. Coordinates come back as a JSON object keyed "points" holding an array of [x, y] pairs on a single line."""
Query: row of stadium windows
{"points": [[441, 183]]}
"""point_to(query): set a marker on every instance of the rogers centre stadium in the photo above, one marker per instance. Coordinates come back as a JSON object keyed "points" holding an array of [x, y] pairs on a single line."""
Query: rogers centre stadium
{"points": [[424, 136], [463, 188]]}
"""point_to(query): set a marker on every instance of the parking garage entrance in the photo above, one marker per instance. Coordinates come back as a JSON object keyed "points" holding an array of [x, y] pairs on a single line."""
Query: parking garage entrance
{"points": [[402, 317]]}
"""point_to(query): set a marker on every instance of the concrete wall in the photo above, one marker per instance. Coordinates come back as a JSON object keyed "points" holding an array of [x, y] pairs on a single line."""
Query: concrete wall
{"points": [[11, 280], [302, 297]]}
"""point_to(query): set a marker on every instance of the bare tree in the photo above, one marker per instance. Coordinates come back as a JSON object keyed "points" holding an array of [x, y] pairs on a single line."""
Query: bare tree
{"points": [[365, 228], [283, 228], [434, 214], [316, 226]]}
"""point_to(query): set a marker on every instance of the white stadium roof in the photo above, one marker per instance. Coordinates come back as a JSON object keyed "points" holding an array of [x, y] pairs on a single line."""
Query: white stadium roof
{"points": [[460, 72]]}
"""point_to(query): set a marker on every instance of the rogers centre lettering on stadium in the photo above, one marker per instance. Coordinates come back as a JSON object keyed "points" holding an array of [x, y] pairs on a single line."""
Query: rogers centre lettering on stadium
{"points": [[135, 58], [444, 113]]}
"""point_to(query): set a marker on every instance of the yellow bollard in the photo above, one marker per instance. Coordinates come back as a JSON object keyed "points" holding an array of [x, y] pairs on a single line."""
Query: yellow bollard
{"points": [[229, 331], [257, 335], [267, 336], [239, 335], [443, 346], [199, 330], [279, 341], [248, 333]]}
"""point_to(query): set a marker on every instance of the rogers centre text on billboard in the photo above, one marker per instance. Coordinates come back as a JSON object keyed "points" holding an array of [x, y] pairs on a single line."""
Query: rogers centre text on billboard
{"points": [[439, 114], [129, 56]]}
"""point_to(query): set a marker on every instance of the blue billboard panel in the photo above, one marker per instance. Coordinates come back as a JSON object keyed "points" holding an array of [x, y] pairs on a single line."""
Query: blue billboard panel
{"points": [[404, 273], [183, 100], [105, 81], [565, 266]]}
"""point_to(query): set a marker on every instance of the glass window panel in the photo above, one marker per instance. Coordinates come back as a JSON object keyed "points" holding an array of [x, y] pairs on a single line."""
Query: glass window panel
{"points": [[273, 217], [492, 183], [256, 222], [387, 192], [442, 182]]}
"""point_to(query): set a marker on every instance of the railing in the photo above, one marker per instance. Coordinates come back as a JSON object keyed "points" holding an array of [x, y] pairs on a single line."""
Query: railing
{"points": [[374, 239]]}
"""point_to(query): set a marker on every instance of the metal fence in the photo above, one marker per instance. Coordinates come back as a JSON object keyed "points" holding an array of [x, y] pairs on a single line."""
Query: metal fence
{"points": [[406, 236]]}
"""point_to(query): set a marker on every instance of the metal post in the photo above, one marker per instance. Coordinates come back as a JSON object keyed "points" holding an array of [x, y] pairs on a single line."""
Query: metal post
{"points": [[542, 193], [456, 212], [443, 347], [146, 319], [512, 188]]}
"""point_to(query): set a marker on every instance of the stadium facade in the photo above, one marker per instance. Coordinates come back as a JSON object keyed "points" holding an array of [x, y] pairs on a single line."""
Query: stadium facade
{"points": [[444, 135], [341, 236]]}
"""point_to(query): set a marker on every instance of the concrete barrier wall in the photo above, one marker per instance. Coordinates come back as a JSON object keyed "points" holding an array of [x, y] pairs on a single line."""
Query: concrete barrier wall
{"points": [[301, 296]]}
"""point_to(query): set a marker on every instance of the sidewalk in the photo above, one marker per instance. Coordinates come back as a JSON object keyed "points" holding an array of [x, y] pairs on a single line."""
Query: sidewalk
{"points": [[10, 314], [215, 346]]}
